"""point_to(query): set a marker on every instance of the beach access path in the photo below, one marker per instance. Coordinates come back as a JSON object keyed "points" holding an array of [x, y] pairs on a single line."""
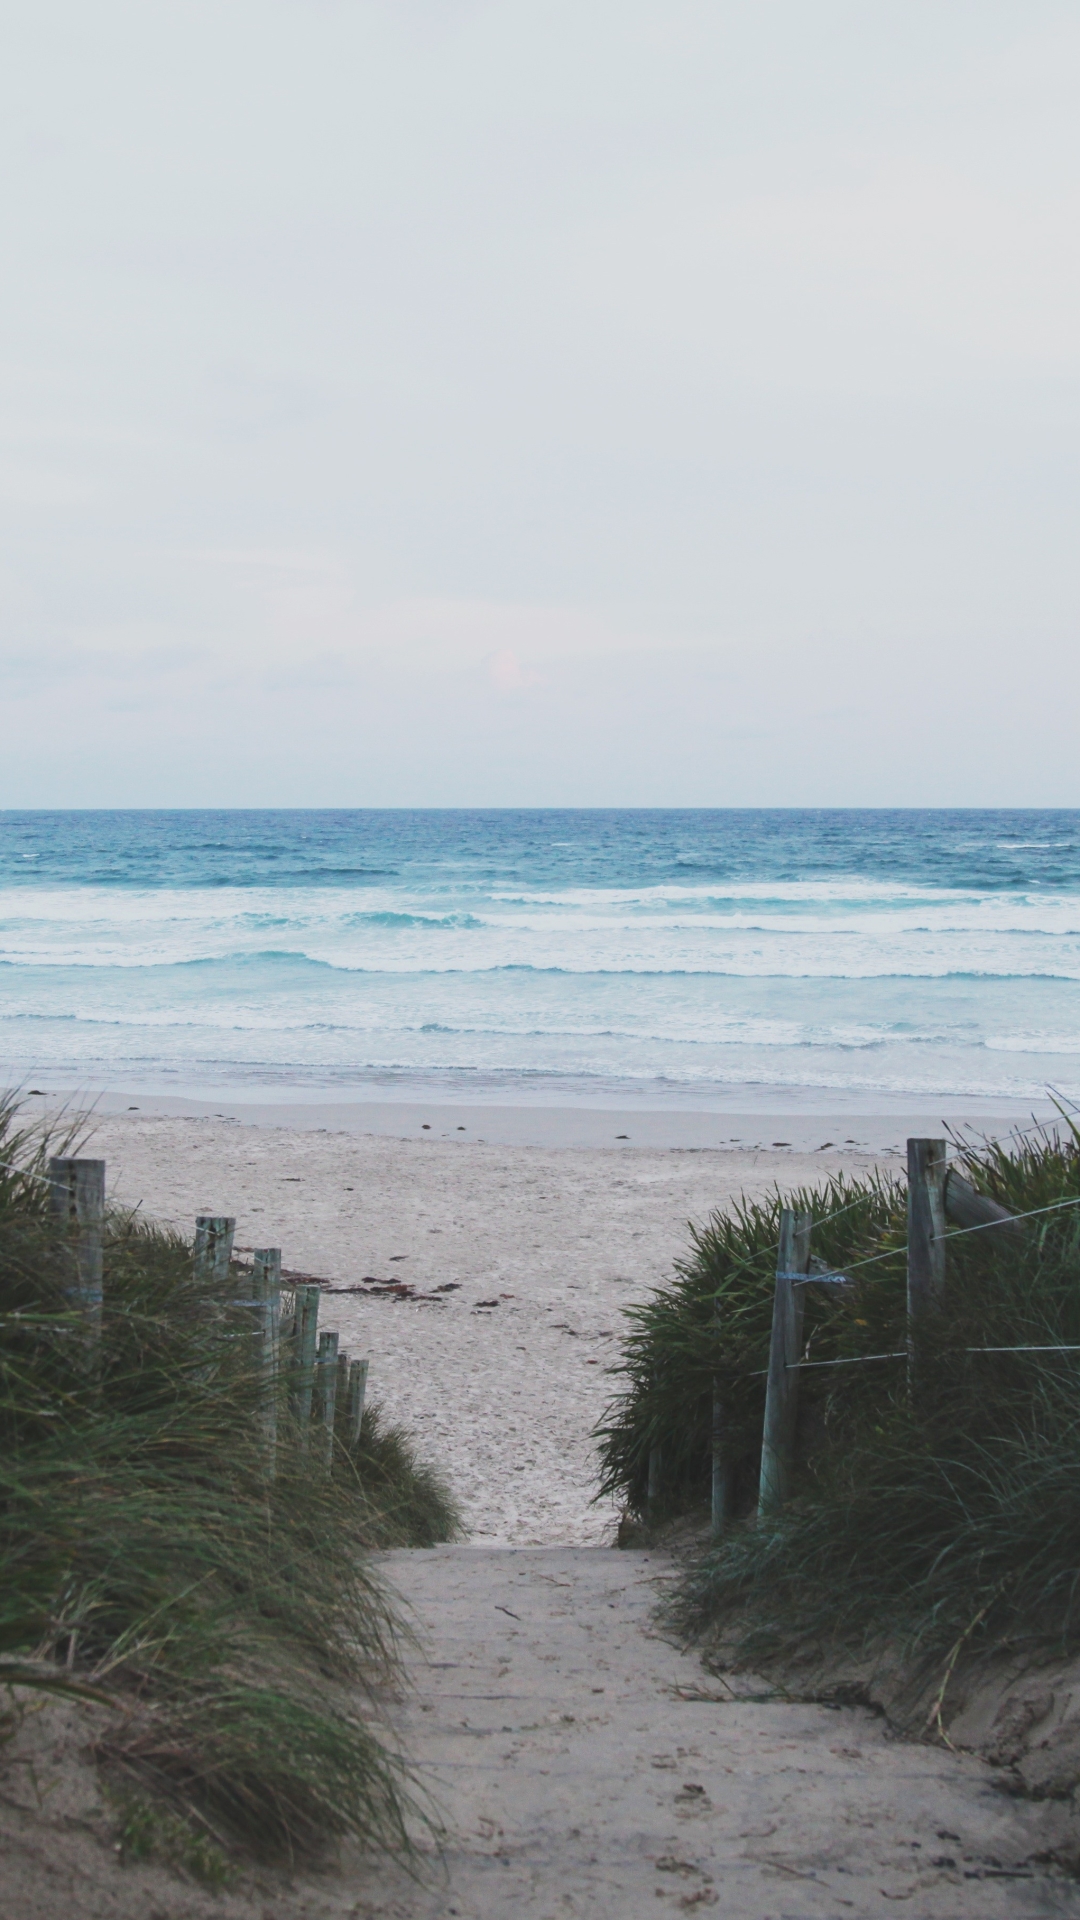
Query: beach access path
{"points": [[578, 1764], [520, 1259], [584, 1765], [577, 1761]]}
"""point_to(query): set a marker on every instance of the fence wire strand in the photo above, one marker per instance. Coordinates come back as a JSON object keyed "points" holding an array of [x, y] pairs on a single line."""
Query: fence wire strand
{"points": [[26, 1173], [1057, 1206]]}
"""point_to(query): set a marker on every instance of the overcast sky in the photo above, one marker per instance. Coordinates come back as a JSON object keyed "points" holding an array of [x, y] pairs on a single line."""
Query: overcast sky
{"points": [[609, 402]]}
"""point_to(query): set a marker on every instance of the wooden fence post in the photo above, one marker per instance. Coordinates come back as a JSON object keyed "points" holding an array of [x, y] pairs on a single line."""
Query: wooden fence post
{"points": [[303, 1369], [722, 1475], [358, 1372], [77, 1195], [326, 1396], [266, 1288], [927, 1162], [341, 1391], [213, 1246], [782, 1386]]}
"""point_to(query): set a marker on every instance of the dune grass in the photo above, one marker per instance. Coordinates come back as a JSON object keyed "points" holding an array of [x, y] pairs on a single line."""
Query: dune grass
{"points": [[147, 1555], [712, 1323], [945, 1513], [405, 1501]]}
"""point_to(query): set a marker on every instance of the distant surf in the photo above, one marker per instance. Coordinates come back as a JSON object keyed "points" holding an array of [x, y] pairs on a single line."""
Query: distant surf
{"points": [[556, 954]]}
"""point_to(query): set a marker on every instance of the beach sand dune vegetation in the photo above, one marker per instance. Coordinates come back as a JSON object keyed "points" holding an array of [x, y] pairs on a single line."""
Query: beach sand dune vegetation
{"points": [[232, 1619], [931, 1514]]}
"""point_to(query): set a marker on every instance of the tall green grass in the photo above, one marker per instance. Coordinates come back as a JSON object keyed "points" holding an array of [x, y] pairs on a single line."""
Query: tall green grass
{"points": [[146, 1554], [934, 1514], [404, 1500], [712, 1323]]}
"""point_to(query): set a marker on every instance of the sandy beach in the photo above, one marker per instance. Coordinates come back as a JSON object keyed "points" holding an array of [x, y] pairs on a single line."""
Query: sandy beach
{"points": [[538, 1248], [576, 1760]]}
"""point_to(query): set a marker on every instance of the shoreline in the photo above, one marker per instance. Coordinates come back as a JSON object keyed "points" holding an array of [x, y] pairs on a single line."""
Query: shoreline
{"points": [[762, 1119]]}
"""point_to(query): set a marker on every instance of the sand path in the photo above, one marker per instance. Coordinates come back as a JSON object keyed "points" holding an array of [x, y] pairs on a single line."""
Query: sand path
{"points": [[584, 1765], [576, 1764]]}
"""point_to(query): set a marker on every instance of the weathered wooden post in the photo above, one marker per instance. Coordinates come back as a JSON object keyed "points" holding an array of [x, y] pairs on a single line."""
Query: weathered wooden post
{"points": [[927, 1162], [782, 1385], [77, 1196], [358, 1372], [304, 1345], [326, 1396], [213, 1246], [936, 1193], [723, 1490], [927, 1166], [266, 1289]]}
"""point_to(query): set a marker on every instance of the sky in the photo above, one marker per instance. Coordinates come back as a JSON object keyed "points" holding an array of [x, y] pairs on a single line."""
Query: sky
{"points": [[600, 403]]}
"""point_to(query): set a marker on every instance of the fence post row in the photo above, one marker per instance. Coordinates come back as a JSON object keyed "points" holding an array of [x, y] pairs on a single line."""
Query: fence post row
{"points": [[77, 1201], [77, 1198], [782, 1385], [326, 1388], [317, 1367]]}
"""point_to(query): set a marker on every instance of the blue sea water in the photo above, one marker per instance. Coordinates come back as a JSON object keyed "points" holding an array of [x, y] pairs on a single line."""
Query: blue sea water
{"points": [[563, 955]]}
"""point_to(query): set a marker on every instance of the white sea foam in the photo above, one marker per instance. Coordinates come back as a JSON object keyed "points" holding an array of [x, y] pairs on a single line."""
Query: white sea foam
{"points": [[918, 933], [473, 971], [1044, 1043]]}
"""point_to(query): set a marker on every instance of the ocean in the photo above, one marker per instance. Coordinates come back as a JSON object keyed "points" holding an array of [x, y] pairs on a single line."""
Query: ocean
{"points": [[668, 957]]}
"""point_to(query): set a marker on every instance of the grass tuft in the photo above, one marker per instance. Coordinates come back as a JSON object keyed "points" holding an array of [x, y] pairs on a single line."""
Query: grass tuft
{"points": [[712, 1323], [945, 1513], [406, 1501], [146, 1555], [146, 1830]]}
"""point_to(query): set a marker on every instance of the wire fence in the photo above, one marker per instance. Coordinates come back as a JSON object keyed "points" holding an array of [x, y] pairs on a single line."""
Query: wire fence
{"points": [[25, 1173], [923, 1253], [1057, 1206], [1014, 1133], [839, 1279]]}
